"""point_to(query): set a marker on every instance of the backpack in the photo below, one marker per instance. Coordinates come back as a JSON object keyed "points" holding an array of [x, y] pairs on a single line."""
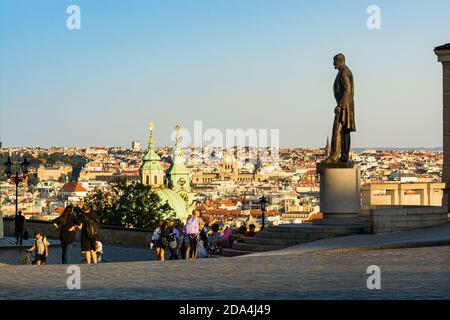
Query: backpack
{"points": [[173, 241], [44, 242]]}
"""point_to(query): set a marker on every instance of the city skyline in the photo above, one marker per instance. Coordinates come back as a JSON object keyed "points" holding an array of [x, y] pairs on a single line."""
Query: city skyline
{"points": [[180, 62]]}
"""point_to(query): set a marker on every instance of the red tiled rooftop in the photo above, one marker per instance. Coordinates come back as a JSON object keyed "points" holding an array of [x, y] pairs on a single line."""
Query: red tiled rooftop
{"points": [[73, 187]]}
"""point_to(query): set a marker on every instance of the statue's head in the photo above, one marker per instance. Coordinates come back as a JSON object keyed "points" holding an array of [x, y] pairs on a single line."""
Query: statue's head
{"points": [[339, 61]]}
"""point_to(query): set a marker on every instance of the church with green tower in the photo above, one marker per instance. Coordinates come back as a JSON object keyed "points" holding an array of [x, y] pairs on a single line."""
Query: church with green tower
{"points": [[178, 175], [172, 186]]}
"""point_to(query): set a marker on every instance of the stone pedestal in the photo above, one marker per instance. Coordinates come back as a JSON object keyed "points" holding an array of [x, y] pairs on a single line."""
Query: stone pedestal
{"points": [[340, 190]]}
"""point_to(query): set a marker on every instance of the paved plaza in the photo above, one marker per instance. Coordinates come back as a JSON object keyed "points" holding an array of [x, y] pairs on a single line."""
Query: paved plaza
{"points": [[112, 253], [420, 273], [325, 269]]}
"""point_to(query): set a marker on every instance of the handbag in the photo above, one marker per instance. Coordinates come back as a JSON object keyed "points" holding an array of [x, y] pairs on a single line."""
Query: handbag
{"points": [[26, 235], [173, 242]]}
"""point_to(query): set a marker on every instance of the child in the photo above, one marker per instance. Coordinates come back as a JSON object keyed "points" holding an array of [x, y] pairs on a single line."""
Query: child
{"points": [[40, 247], [99, 251], [158, 242]]}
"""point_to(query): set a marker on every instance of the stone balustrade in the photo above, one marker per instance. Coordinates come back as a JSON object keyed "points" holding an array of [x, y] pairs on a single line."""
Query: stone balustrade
{"points": [[109, 234]]}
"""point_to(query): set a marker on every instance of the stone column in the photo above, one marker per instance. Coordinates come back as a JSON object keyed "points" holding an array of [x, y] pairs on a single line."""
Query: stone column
{"points": [[443, 53]]}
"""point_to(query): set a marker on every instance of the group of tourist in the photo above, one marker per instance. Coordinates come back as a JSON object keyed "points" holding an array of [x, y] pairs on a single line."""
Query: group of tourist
{"points": [[73, 219], [195, 239], [68, 223]]}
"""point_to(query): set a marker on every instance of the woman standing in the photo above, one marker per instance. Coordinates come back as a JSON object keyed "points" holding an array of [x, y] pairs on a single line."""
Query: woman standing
{"points": [[192, 231], [227, 237], [158, 241], [67, 224], [90, 234]]}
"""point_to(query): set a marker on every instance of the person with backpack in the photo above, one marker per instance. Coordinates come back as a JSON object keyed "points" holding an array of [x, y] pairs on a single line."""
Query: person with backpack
{"points": [[192, 232], [158, 240], [40, 246], [174, 241], [67, 224], [90, 234]]}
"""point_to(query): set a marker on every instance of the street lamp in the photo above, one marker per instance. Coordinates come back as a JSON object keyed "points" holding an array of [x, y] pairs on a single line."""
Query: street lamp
{"points": [[263, 203], [15, 176]]}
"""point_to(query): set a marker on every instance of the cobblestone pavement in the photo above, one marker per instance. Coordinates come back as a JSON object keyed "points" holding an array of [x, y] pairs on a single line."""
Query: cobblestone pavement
{"points": [[421, 273], [111, 253]]}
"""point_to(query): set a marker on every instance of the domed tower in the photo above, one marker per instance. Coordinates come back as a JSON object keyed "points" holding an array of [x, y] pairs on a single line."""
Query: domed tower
{"points": [[178, 175], [229, 162], [152, 171]]}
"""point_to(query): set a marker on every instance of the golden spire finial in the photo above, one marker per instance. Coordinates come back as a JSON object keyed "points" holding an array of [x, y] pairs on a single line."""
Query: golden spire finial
{"points": [[150, 127]]}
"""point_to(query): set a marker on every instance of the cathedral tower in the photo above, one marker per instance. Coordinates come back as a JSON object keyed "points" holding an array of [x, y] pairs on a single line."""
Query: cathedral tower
{"points": [[152, 171], [178, 175]]}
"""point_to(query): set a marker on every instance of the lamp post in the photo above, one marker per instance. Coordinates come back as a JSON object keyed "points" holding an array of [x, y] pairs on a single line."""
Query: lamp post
{"points": [[15, 176], [263, 203]]}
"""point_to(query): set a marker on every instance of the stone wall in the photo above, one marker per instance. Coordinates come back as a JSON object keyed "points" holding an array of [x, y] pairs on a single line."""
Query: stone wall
{"points": [[109, 234], [403, 218]]}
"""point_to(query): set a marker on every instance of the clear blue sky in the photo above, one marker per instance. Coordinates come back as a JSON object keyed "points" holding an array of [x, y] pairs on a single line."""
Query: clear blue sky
{"points": [[230, 63]]}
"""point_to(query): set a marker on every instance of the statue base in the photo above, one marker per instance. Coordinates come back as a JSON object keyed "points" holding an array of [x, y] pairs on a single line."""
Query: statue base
{"points": [[340, 190]]}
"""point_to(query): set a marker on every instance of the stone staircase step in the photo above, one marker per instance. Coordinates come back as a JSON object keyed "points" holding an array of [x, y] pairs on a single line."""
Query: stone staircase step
{"points": [[256, 247], [306, 228], [296, 236], [228, 252], [277, 242], [283, 236]]}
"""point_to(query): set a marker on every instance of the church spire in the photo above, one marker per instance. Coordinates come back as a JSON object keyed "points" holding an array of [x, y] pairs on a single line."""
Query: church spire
{"points": [[327, 148], [178, 175], [150, 140], [152, 171]]}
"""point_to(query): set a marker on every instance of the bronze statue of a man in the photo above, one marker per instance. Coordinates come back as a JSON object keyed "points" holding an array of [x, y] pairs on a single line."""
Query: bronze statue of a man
{"points": [[344, 119]]}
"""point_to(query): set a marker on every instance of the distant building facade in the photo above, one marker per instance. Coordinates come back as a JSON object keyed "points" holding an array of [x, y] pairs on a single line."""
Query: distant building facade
{"points": [[72, 192], [136, 145], [54, 172]]}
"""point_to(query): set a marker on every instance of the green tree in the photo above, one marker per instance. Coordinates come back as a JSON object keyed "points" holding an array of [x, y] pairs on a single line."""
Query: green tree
{"points": [[129, 205], [141, 207], [102, 203]]}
